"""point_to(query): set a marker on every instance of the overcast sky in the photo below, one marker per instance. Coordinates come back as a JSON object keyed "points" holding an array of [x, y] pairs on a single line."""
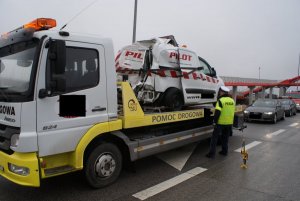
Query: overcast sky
{"points": [[234, 36]]}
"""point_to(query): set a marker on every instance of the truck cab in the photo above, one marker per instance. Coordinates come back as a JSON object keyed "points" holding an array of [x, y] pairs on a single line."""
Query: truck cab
{"points": [[54, 86]]}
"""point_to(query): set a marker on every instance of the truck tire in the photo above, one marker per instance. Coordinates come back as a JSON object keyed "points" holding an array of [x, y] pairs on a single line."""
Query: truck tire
{"points": [[173, 99], [103, 165]]}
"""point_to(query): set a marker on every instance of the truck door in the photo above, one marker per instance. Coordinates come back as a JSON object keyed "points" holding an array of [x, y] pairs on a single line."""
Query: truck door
{"points": [[211, 82], [85, 95]]}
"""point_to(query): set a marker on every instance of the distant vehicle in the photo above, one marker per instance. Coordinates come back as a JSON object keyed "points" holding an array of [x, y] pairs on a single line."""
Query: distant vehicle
{"points": [[289, 107], [265, 110], [295, 96]]}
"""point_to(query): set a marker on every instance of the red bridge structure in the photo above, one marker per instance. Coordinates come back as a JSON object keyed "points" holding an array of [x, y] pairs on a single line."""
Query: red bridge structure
{"points": [[258, 85]]}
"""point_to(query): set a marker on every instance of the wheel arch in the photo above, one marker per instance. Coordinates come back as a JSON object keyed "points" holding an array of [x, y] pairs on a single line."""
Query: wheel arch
{"points": [[171, 90], [163, 94], [94, 135], [107, 138]]}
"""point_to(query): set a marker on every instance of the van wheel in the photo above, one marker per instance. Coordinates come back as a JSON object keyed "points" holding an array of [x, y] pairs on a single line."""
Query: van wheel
{"points": [[103, 165], [173, 99]]}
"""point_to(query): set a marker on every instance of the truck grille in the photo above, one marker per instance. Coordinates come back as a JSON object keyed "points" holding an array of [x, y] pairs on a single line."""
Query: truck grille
{"points": [[5, 135]]}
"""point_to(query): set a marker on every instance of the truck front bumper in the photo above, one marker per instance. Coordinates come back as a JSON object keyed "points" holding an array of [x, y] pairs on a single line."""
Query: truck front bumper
{"points": [[20, 168]]}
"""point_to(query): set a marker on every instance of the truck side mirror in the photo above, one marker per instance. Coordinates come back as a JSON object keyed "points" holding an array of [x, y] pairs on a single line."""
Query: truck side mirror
{"points": [[60, 83], [57, 56], [58, 86]]}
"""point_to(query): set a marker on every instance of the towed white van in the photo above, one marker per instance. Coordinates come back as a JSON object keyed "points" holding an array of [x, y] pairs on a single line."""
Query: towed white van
{"points": [[164, 74]]}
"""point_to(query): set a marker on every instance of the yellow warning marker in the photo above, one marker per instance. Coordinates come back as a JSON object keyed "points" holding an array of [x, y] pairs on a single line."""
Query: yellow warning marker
{"points": [[244, 155]]}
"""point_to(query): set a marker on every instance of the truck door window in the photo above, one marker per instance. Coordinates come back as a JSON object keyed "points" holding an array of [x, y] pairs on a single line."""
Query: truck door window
{"points": [[82, 68]]}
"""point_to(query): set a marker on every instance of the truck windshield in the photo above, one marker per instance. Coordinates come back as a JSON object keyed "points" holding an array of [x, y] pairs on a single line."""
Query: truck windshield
{"points": [[16, 67]]}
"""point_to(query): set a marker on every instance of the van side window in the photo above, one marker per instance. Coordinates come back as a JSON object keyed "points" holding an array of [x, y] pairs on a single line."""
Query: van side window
{"points": [[82, 68], [206, 68]]}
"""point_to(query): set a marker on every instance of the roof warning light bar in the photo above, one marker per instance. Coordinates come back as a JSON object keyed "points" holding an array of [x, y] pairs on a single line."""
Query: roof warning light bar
{"points": [[41, 24]]}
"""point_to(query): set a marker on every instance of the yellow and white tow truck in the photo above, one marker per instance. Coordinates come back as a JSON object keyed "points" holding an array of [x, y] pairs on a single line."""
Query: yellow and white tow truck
{"points": [[62, 110]]}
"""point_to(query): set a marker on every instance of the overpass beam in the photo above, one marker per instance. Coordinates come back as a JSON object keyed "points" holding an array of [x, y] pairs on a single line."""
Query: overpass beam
{"points": [[251, 95], [234, 93]]}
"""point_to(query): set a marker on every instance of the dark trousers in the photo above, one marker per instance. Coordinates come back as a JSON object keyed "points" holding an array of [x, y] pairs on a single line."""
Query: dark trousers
{"points": [[222, 131]]}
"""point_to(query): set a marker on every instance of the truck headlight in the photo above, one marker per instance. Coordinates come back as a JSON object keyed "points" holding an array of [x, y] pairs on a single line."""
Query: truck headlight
{"points": [[246, 112], [24, 171], [298, 104], [14, 141], [268, 113]]}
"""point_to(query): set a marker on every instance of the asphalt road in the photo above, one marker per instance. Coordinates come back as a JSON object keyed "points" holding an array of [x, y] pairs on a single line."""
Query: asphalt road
{"points": [[273, 173]]}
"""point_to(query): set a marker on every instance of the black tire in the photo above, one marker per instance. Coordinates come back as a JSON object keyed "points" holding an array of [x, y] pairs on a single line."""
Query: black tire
{"points": [[173, 99], [103, 165]]}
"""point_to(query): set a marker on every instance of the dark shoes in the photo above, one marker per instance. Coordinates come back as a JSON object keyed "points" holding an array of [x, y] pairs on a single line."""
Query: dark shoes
{"points": [[222, 153], [209, 155]]}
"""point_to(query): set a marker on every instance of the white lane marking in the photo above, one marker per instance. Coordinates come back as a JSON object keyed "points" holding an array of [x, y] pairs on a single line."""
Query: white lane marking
{"points": [[269, 135], [149, 192], [249, 146], [294, 124], [177, 158]]}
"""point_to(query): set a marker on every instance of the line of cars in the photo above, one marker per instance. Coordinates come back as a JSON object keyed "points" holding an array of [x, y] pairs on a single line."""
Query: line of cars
{"points": [[270, 110]]}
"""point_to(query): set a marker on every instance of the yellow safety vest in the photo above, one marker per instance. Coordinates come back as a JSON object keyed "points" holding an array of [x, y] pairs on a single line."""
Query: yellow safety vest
{"points": [[227, 109]]}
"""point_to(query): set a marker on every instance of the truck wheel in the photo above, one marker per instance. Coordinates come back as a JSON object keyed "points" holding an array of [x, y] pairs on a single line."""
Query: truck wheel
{"points": [[103, 165], [173, 99]]}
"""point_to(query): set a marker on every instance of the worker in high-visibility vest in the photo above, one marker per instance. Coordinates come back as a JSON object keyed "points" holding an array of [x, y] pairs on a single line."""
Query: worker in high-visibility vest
{"points": [[223, 121]]}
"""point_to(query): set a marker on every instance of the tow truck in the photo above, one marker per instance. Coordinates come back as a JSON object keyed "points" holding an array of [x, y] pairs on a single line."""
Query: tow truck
{"points": [[62, 110]]}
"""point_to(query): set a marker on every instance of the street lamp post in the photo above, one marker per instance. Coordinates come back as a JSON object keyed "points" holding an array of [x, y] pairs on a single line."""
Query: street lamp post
{"points": [[298, 68], [259, 73], [134, 21]]}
